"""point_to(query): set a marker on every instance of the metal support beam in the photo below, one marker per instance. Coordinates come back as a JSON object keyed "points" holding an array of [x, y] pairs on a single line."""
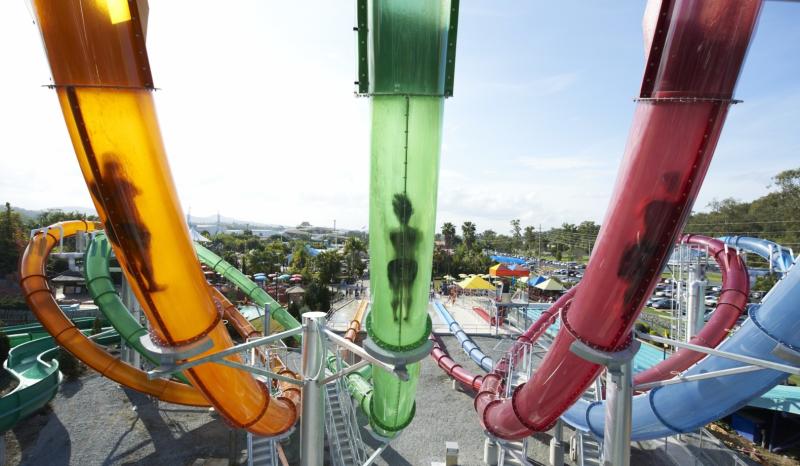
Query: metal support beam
{"points": [[312, 423], [619, 398], [695, 377], [375, 454], [400, 372], [258, 371], [345, 371], [723, 354], [165, 370]]}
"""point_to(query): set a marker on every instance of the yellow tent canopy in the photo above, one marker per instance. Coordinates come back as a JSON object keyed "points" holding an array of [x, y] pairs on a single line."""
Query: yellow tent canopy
{"points": [[550, 285], [475, 283]]}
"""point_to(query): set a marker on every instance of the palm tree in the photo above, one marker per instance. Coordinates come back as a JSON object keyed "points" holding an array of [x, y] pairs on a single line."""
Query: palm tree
{"points": [[449, 234], [353, 248], [468, 232]]}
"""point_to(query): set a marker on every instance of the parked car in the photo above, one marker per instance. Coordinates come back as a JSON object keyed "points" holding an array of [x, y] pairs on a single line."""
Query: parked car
{"points": [[711, 300], [664, 303]]}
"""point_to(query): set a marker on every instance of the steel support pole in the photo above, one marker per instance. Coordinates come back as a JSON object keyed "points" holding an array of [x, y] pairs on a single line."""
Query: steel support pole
{"points": [[556, 445], [617, 434], [312, 423]]}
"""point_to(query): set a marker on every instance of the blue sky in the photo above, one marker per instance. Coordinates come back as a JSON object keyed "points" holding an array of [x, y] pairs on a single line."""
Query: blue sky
{"points": [[260, 122]]}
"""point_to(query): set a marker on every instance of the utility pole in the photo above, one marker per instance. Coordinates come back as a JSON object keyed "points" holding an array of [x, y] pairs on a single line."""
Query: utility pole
{"points": [[540, 247]]}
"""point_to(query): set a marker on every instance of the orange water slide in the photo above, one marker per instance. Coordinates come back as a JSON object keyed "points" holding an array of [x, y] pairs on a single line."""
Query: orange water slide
{"points": [[40, 299], [246, 330], [102, 76], [355, 324]]}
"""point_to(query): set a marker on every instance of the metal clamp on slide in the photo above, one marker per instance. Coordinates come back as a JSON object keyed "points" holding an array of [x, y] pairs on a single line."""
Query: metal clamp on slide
{"points": [[614, 360], [170, 357], [398, 357]]}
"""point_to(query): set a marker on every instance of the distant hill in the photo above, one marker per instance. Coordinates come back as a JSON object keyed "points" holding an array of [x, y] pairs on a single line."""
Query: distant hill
{"points": [[28, 214]]}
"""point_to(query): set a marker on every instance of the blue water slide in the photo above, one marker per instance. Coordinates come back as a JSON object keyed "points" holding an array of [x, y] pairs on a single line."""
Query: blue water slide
{"points": [[685, 407], [469, 346], [779, 257]]}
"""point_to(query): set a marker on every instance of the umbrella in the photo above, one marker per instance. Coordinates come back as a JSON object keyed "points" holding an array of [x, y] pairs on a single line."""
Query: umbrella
{"points": [[284, 277], [475, 283], [272, 275], [295, 279], [296, 275], [462, 275], [550, 285], [448, 277]]}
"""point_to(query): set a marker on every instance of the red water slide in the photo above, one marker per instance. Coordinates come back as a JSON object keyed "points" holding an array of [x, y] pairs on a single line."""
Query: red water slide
{"points": [[732, 300], [693, 64]]}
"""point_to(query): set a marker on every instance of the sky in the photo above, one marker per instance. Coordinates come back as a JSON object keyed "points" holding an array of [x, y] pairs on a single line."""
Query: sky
{"points": [[260, 121]]}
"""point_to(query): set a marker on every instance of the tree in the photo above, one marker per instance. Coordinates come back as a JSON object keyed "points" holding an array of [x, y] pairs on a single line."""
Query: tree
{"points": [[12, 241], [488, 239], [353, 249], [328, 265], [529, 238], [449, 234], [516, 234], [468, 233], [300, 258]]}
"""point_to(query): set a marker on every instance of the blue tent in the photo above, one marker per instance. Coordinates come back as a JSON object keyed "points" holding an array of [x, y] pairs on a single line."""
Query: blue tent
{"points": [[508, 260]]}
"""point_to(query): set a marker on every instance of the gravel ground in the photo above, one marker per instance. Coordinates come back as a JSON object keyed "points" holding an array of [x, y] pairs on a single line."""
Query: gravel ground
{"points": [[94, 421]]}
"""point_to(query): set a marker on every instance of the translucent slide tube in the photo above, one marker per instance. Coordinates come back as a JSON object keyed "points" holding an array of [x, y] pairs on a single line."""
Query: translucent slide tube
{"points": [[691, 72], [408, 54], [732, 301], [687, 406], [104, 294], [248, 287], [102, 76], [40, 299]]}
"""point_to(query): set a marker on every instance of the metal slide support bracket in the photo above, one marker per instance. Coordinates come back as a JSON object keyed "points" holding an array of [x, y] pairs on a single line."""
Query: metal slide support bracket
{"points": [[173, 359], [619, 398]]}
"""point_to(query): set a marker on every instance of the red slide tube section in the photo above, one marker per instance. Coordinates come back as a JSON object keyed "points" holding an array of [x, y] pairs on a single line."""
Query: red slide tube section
{"points": [[732, 301], [694, 61], [453, 369]]}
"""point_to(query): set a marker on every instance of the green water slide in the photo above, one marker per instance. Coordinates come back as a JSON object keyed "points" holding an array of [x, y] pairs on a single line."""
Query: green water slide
{"points": [[34, 365], [248, 287], [101, 287], [18, 334], [406, 65], [357, 382]]}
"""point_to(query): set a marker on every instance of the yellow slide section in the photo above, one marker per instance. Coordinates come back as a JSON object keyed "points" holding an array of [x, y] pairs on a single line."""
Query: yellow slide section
{"points": [[40, 299], [102, 75]]}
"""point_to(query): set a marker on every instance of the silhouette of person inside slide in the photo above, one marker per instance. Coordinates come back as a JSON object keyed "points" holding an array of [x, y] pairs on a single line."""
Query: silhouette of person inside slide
{"points": [[403, 268], [117, 192]]}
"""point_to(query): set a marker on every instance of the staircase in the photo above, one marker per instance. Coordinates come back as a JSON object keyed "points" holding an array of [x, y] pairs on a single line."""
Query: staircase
{"points": [[345, 446], [585, 449], [513, 453], [261, 451]]}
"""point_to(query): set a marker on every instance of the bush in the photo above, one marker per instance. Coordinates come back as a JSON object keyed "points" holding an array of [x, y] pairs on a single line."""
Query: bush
{"points": [[97, 326], [12, 302], [69, 365], [5, 347], [642, 327]]}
